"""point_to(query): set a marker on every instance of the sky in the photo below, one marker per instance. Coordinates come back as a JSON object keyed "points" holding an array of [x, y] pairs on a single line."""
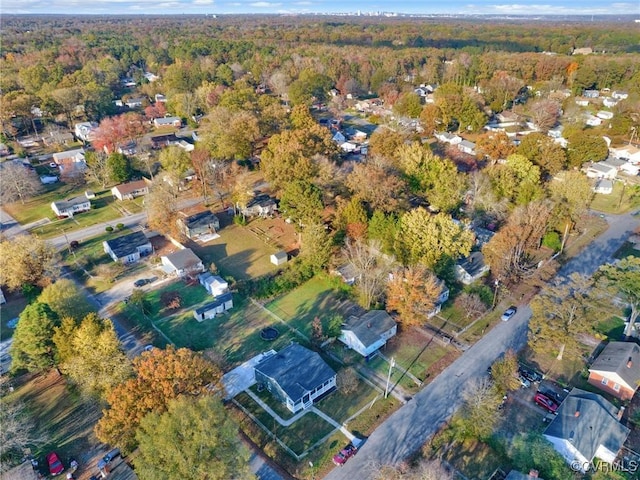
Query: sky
{"points": [[173, 7]]}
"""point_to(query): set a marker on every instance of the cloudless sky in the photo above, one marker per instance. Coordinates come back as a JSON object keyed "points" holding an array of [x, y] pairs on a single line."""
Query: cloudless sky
{"points": [[176, 7]]}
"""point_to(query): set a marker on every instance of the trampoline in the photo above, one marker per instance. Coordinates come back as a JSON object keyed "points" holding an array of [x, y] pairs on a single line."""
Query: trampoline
{"points": [[269, 333]]}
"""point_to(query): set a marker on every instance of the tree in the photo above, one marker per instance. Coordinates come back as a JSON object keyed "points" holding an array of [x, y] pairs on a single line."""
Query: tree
{"points": [[302, 202], [25, 260], [471, 304], [378, 186], [544, 152], [385, 142], [504, 373], [348, 380], [545, 113], [194, 439], [309, 87], [408, 104], [117, 131], [18, 430], [479, 414], [371, 268], [530, 451], [159, 376], [98, 170], [68, 99], [424, 470], [430, 118], [62, 335], [162, 207], [175, 161], [412, 293], [230, 135], [584, 147], [560, 313], [98, 362], [119, 167], [32, 347], [425, 238], [316, 246], [17, 182], [383, 228], [494, 146], [66, 299], [571, 193], [623, 279]]}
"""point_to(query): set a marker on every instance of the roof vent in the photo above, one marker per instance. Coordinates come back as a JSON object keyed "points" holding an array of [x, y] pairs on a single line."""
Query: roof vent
{"points": [[533, 473]]}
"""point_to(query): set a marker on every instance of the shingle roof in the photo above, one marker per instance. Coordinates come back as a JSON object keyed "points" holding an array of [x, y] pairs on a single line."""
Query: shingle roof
{"points": [[127, 244], [296, 369], [183, 258], [473, 264], [201, 219], [615, 358], [70, 202], [587, 420], [370, 326], [126, 188], [222, 299]]}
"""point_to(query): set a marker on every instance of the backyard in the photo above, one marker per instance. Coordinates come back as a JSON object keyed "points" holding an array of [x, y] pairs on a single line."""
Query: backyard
{"points": [[621, 200]]}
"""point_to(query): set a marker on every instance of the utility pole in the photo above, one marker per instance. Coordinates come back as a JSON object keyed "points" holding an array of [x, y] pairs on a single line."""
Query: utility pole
{"points": [[495, 293], [392, 364]]}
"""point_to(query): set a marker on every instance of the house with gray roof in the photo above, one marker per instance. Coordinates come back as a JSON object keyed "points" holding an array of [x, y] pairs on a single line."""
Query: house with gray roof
{"points": [[182, 263], [368, 333], [617, 370], [68, 208], [218, 306], [296, 376], [465, 146], [470, 269], [586, 427], [128, 248], [202, 224]]}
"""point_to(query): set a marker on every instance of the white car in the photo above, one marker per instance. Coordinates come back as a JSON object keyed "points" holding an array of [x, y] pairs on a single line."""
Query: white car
{"points": [[509, 312]]}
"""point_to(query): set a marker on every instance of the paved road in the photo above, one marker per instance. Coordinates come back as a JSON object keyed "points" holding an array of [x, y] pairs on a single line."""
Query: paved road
{"points": [[412, 425]]}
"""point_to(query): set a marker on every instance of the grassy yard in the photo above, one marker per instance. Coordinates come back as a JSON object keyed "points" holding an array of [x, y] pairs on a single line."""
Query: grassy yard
{"points": [[341, 406], [39, 207], [621, 200], [315, 298], [627, 250], [10, 310], [592, 227]]}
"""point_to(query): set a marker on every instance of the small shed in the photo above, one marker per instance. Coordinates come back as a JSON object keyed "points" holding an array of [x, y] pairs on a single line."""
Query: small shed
{"points": [[279, 258]]}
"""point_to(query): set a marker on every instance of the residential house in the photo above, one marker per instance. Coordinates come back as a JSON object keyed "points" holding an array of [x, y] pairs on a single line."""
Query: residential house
{"points": [[586, 427], [134, 102], [593, 121], [339, 138], [151, 77], [468, 147], [609, 102], [167, 122], [604, 115], [85, 131], [620, 95], [442, 298], [483, 235], [186, 146], [516, 475], [603, 186], [213, 284], [470, 269], [48, 179], [348, 147], [220, 305], [358, 136], [627, 152], [368, 333], [507, 119], [617, 370], [582, 102], [296, 376], [279, 258], [446, 137], [68, 208], [260, 206], [200, 225], [590, 93], [347, 273], [131, 190], [160, 98], [58, 138], [128, 248], [71, 161], [582, 51], [182, 263], [128, 82], [602, 170], [161, 141]]}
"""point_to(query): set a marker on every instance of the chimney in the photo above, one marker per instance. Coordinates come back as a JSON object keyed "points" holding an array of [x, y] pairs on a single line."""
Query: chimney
{"points": [[368, 325], [630, 362], [577, 414], [620, 413], [533, 473]]}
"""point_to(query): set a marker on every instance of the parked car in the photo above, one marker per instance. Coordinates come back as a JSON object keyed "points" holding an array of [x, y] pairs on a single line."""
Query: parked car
{"points": [[55, 465], [545, 402], [141, 282], [509, 312], [524, 383], [111, 455], [53, 165], [148, 348], [529, 374], [345, 454]]}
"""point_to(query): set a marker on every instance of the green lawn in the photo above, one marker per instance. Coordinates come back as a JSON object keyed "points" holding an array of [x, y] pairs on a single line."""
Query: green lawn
{"points": [[238, 253], [613, 328], [10, 310], [341, 406], [315, 298], [39, 207], [627, 250], [621, 200]]}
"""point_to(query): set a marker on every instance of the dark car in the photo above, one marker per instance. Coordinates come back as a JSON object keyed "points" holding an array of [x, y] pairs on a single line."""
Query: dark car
{"points": [[141, 282], [545, 402], [345, 454], [111, 455], [55, 465], [529, 374], [509, 312]]}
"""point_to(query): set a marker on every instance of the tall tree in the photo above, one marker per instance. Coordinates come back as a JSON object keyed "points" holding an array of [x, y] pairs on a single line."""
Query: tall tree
{"points": [[532, 451], [623, 279], [162, 207], [118, 131], [408, 104], [316, 246], [378, 186], [504, 373], [302, 202], [494, 146], [18, 430], [175, 161], [545, 113], [98, 170], [544, 152], [212, 448], [230, 135], [32, 347], [425, 238], [385, 143], [17, 182], [66, 299], [571, 193], [159, 377], [479, 413], [25, 260], [413, 293], [585, 147], [119, 167], [309, 87]]}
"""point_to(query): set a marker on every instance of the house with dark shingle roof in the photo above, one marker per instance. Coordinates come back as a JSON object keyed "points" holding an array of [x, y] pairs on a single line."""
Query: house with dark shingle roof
{"points": [[470, 269], [128, 248], [617, 370], [201, 224], [296, 376], [586, 427], [368, 333]]}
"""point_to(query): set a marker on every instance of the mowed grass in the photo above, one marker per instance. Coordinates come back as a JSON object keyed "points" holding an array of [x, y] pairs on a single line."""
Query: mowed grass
{"points": [[342, 406], [621, 200], [10, 310], [627, 250], [39, 207], [63, 420]]}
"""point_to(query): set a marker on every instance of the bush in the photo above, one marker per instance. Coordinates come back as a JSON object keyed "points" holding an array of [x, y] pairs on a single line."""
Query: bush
{"points": [[552, 240], [484, 292], [239, 220], [120, 226], [109, 229], [296, 274]]}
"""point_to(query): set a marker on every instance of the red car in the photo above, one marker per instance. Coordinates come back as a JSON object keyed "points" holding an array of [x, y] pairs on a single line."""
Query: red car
{"points": [[545, 402], [345, 454], [55, 465]]}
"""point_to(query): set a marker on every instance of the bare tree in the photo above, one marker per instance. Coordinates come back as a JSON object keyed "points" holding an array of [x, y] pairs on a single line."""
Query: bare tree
{"points": [[545, 113], [17, 182], [18, 430], [471, 304], [348, 380], [371, 268]]}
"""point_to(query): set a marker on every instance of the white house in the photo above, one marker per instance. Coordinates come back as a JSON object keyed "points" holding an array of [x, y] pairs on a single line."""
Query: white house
{"points": [[128, 248], [213, 284], [130, 190], [160, 98], [48, 179], [167, 122], [85, 131], [68, 208], [70, 161], [604, 115], [602, 170], [279, 258], [151, 77], [582, 102], [620, 95], [182, 263], [348, 147], [593, 121], [609, 102], [134, 102], [603, 186], [470, 269], [368, 333], [220, 305], [586, 427], [627, 152], [467, 147], [446, 137]]}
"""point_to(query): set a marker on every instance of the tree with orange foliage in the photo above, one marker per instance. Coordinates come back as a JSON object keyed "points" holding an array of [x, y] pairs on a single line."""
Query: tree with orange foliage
{"points": [[159, 376], [119, 130], [413, 293]]}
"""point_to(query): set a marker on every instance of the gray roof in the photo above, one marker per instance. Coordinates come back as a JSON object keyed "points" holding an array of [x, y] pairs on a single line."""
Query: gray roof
{"points": [[199, 220], [473, 264], [296, 369], [183, 258], [127, 244], [220, 300], [467, 144], [281, 255], [613, 162], [622, 358], [370, 326], [70, 202], [587, 420], [516, 475], [602, 167]]}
